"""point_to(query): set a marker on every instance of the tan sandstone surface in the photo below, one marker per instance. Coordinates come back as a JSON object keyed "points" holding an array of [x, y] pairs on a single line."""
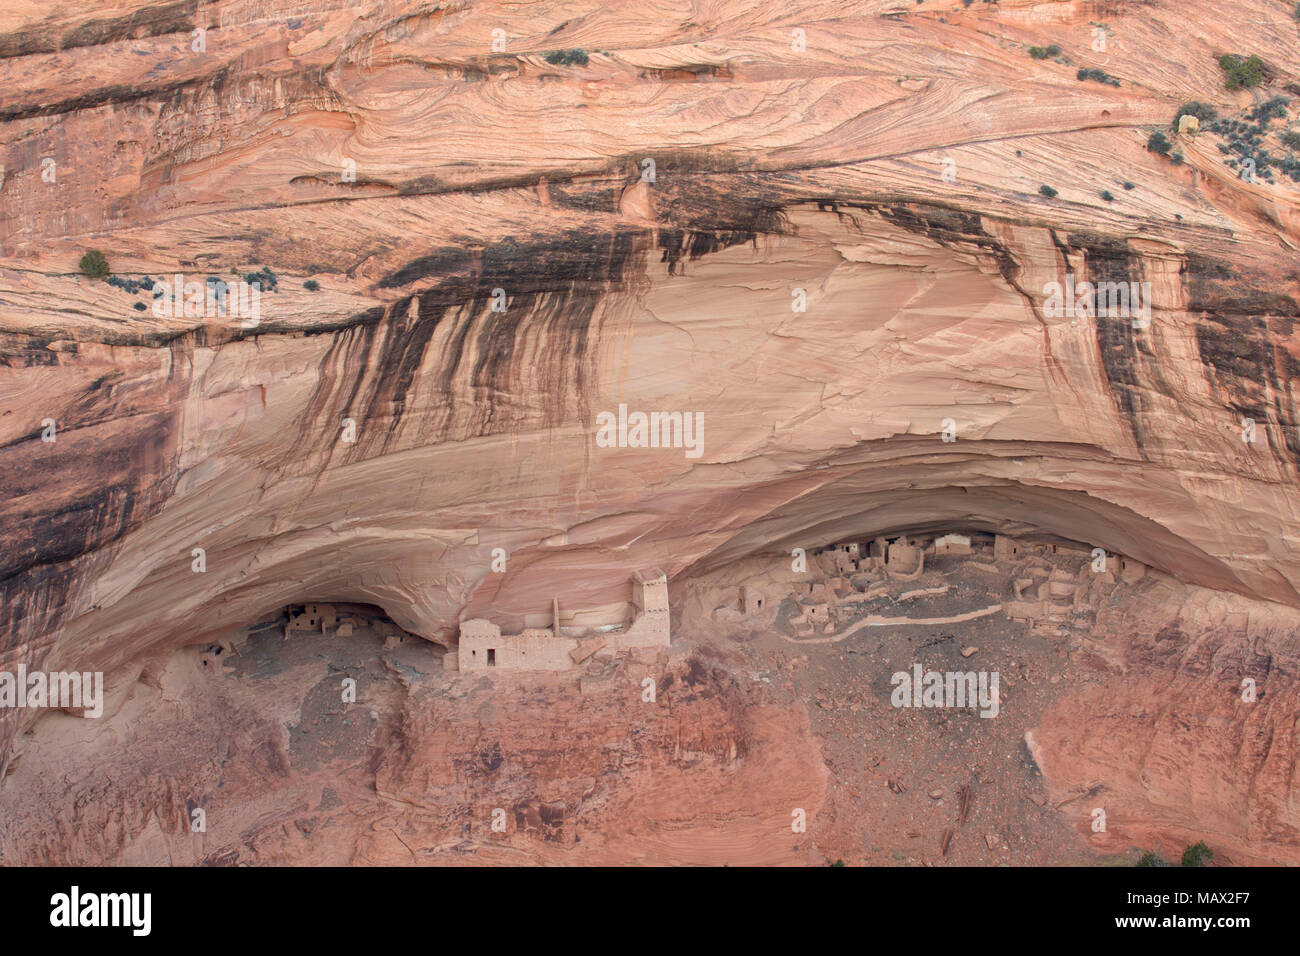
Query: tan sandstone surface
{"points": [[389, 153]]}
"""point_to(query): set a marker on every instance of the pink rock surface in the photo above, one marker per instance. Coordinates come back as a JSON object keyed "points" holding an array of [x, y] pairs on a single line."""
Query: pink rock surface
{"points": [[376, 440]]}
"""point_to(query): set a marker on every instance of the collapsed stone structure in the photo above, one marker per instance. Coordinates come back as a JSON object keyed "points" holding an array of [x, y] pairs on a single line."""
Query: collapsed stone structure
{"points": [[905, 560], [483, 646], [312, 618], [317, 617], [1047, 587], [952, 544]]}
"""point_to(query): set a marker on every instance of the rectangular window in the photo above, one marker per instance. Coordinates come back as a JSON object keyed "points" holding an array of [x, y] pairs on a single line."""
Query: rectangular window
{"points": [[492, 657]]}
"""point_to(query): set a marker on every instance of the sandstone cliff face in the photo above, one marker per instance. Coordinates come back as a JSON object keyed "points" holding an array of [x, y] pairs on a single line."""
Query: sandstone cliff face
{"points": [[1164, 740], [427, 769], [376, 439]]}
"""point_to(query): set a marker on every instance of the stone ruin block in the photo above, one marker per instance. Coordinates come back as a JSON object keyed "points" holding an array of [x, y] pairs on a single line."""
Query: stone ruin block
{"points": [[752, 600], [1130, 571], [816, 611], [1028, 612], [1006, 549], [905, 561], [954, 544], [1060, 589], [314, 618]]}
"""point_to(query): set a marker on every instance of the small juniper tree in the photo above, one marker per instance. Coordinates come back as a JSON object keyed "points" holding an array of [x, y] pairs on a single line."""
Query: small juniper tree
{"points": [[1101, 76], [94, 264], [1241, 73], [567, 57], [1198, 854], [1158, 142]]}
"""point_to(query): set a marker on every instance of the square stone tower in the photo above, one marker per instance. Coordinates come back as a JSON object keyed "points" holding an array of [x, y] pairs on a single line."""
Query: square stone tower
{"points": [[480, 640], [650, 591], [651, 627], [751, 599]]}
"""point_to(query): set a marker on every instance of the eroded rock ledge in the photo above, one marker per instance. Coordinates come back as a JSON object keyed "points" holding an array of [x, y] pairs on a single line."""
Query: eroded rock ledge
{"points": [[395, 159]]}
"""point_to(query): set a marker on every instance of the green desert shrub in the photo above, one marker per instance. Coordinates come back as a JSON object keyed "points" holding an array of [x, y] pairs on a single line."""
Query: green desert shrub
{"points": [[1241, 73], [1101, 76], [1198, 854], [1158, 142], [1047, 191], [1044, 52], [567, 57], [266, 279], [1268, 110], [94, 264]]}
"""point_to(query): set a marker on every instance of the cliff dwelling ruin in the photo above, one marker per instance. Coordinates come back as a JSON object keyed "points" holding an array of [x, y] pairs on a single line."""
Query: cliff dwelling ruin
{"points": [[482, 645], [997, 339], [1053, 585]]}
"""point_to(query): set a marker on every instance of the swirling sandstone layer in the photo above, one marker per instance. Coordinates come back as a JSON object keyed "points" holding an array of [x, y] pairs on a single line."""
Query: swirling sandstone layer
{"points": [[392, 155]]}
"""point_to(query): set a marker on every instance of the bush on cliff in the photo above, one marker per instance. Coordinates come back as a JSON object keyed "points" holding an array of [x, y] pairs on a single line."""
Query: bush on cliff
{"points": [[567, 57], [1197, 854], [94, 264], [1158, 142], [1241, 73], [1101, 76], [1204, 112]]}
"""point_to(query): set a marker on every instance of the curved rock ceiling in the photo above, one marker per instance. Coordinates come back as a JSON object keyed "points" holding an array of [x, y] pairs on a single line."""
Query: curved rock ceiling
{"points": [[373, 441]]}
